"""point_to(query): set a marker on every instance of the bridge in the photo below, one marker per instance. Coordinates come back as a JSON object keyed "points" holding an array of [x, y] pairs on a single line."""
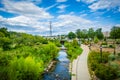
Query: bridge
{"points": [[63, 48]]}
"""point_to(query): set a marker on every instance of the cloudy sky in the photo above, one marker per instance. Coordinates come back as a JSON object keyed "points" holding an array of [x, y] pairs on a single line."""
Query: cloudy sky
{"points": [[33, 16]]}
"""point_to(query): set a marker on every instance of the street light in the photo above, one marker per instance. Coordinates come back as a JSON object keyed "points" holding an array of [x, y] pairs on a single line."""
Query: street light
{"points": [[101, 52], [114, 40], [90, 44]]}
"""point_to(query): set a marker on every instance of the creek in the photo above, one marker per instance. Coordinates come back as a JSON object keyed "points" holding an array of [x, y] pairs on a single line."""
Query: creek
{"points": [[61, 70]]}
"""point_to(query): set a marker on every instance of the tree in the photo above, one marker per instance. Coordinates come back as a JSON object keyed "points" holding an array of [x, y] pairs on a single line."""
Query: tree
{"points": [[5, 43], [71, 35], [2, 34], [115, 32], [4, 31], [91, 33], [99, 33], [84, 33], [78, 33]]}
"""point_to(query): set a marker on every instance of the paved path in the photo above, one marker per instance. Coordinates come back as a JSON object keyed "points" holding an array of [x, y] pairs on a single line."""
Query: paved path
{"points": [[79, 66]]}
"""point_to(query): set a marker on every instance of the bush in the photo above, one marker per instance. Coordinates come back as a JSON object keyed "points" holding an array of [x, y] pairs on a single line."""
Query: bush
{"points": [[118, 54], [96, 40], [111, 57], [118, 41], [25, 69], [104, 43], [73, 50], [111, 46], [103, 70]]}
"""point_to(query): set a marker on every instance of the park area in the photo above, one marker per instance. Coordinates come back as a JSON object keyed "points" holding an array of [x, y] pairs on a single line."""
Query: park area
{"points": [[25, 56], [104, 61]]}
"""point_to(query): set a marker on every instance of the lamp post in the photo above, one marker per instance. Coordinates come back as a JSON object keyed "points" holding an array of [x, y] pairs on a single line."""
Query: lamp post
{"points": [[114, 41], [101, 52], [90, 44]]}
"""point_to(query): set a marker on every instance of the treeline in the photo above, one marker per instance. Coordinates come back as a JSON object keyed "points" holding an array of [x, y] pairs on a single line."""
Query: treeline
{"points": [[85, 34], [92, 34], [24, 56]]}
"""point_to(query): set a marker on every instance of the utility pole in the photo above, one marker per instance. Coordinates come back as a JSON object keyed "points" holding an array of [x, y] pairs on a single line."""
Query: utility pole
{"points": [[50, 29]]}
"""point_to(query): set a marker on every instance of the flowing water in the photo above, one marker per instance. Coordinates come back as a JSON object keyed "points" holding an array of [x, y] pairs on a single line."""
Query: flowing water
{"points": [[61, 71]]}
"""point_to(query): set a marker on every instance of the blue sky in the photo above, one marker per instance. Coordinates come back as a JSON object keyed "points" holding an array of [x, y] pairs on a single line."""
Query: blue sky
{"points": [[33, 16]]}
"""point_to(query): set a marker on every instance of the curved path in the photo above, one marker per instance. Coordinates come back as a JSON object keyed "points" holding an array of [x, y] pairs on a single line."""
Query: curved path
{"points": [[79, 66]]}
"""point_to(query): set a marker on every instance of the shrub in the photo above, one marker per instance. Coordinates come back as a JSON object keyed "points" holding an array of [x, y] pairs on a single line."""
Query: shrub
{"points": [[104, 43], [118, 54], [111, 46], [73, 50], [118, 41], [111, 57], [105, 72], [25, 69], [96, 40]]}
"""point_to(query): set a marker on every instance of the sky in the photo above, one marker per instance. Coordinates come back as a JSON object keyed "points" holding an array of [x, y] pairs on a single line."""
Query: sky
{"points": [[33, 16]]}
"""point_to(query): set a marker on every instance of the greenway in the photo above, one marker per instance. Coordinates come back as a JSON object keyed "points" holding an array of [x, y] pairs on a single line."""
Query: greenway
{"points": [[26, 57]]}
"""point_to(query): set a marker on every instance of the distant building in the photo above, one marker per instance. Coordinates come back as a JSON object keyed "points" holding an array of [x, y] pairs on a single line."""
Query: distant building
{"points": [[106, 34]]}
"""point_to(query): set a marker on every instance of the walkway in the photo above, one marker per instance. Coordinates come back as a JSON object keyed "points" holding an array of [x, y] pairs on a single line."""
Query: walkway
{"points": [[79, 66]]}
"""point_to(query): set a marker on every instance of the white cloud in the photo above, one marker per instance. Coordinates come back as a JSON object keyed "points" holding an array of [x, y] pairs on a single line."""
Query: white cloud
{"points": [[25, 8], [1, 19], [78, 0], [62, 8], [117, 25], [86, 1], [24, 24], [74, 18], [17, 30], [20, 20], [51, 6], [61, 0], [33, 1], [89, 1], [66, 23], [105, 4]]}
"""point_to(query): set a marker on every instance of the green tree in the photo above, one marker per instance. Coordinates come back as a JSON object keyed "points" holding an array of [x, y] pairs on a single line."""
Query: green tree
{"points": [[5, 43], [4, 31], [84, 33], [91, 33], [71, 35], [2, 34], [115, 32], [78, 33], [99, 33]]}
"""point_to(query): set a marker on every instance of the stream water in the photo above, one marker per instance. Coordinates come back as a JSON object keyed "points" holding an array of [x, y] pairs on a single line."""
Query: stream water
{"points": [[61, 71]]}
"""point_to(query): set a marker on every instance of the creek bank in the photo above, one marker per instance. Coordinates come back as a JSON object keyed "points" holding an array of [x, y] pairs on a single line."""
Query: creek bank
{"points": [[51, 66], [60, 69]]}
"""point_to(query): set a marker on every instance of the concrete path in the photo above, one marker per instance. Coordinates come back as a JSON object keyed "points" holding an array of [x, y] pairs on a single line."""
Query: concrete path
{"points": [[79, 66]]}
